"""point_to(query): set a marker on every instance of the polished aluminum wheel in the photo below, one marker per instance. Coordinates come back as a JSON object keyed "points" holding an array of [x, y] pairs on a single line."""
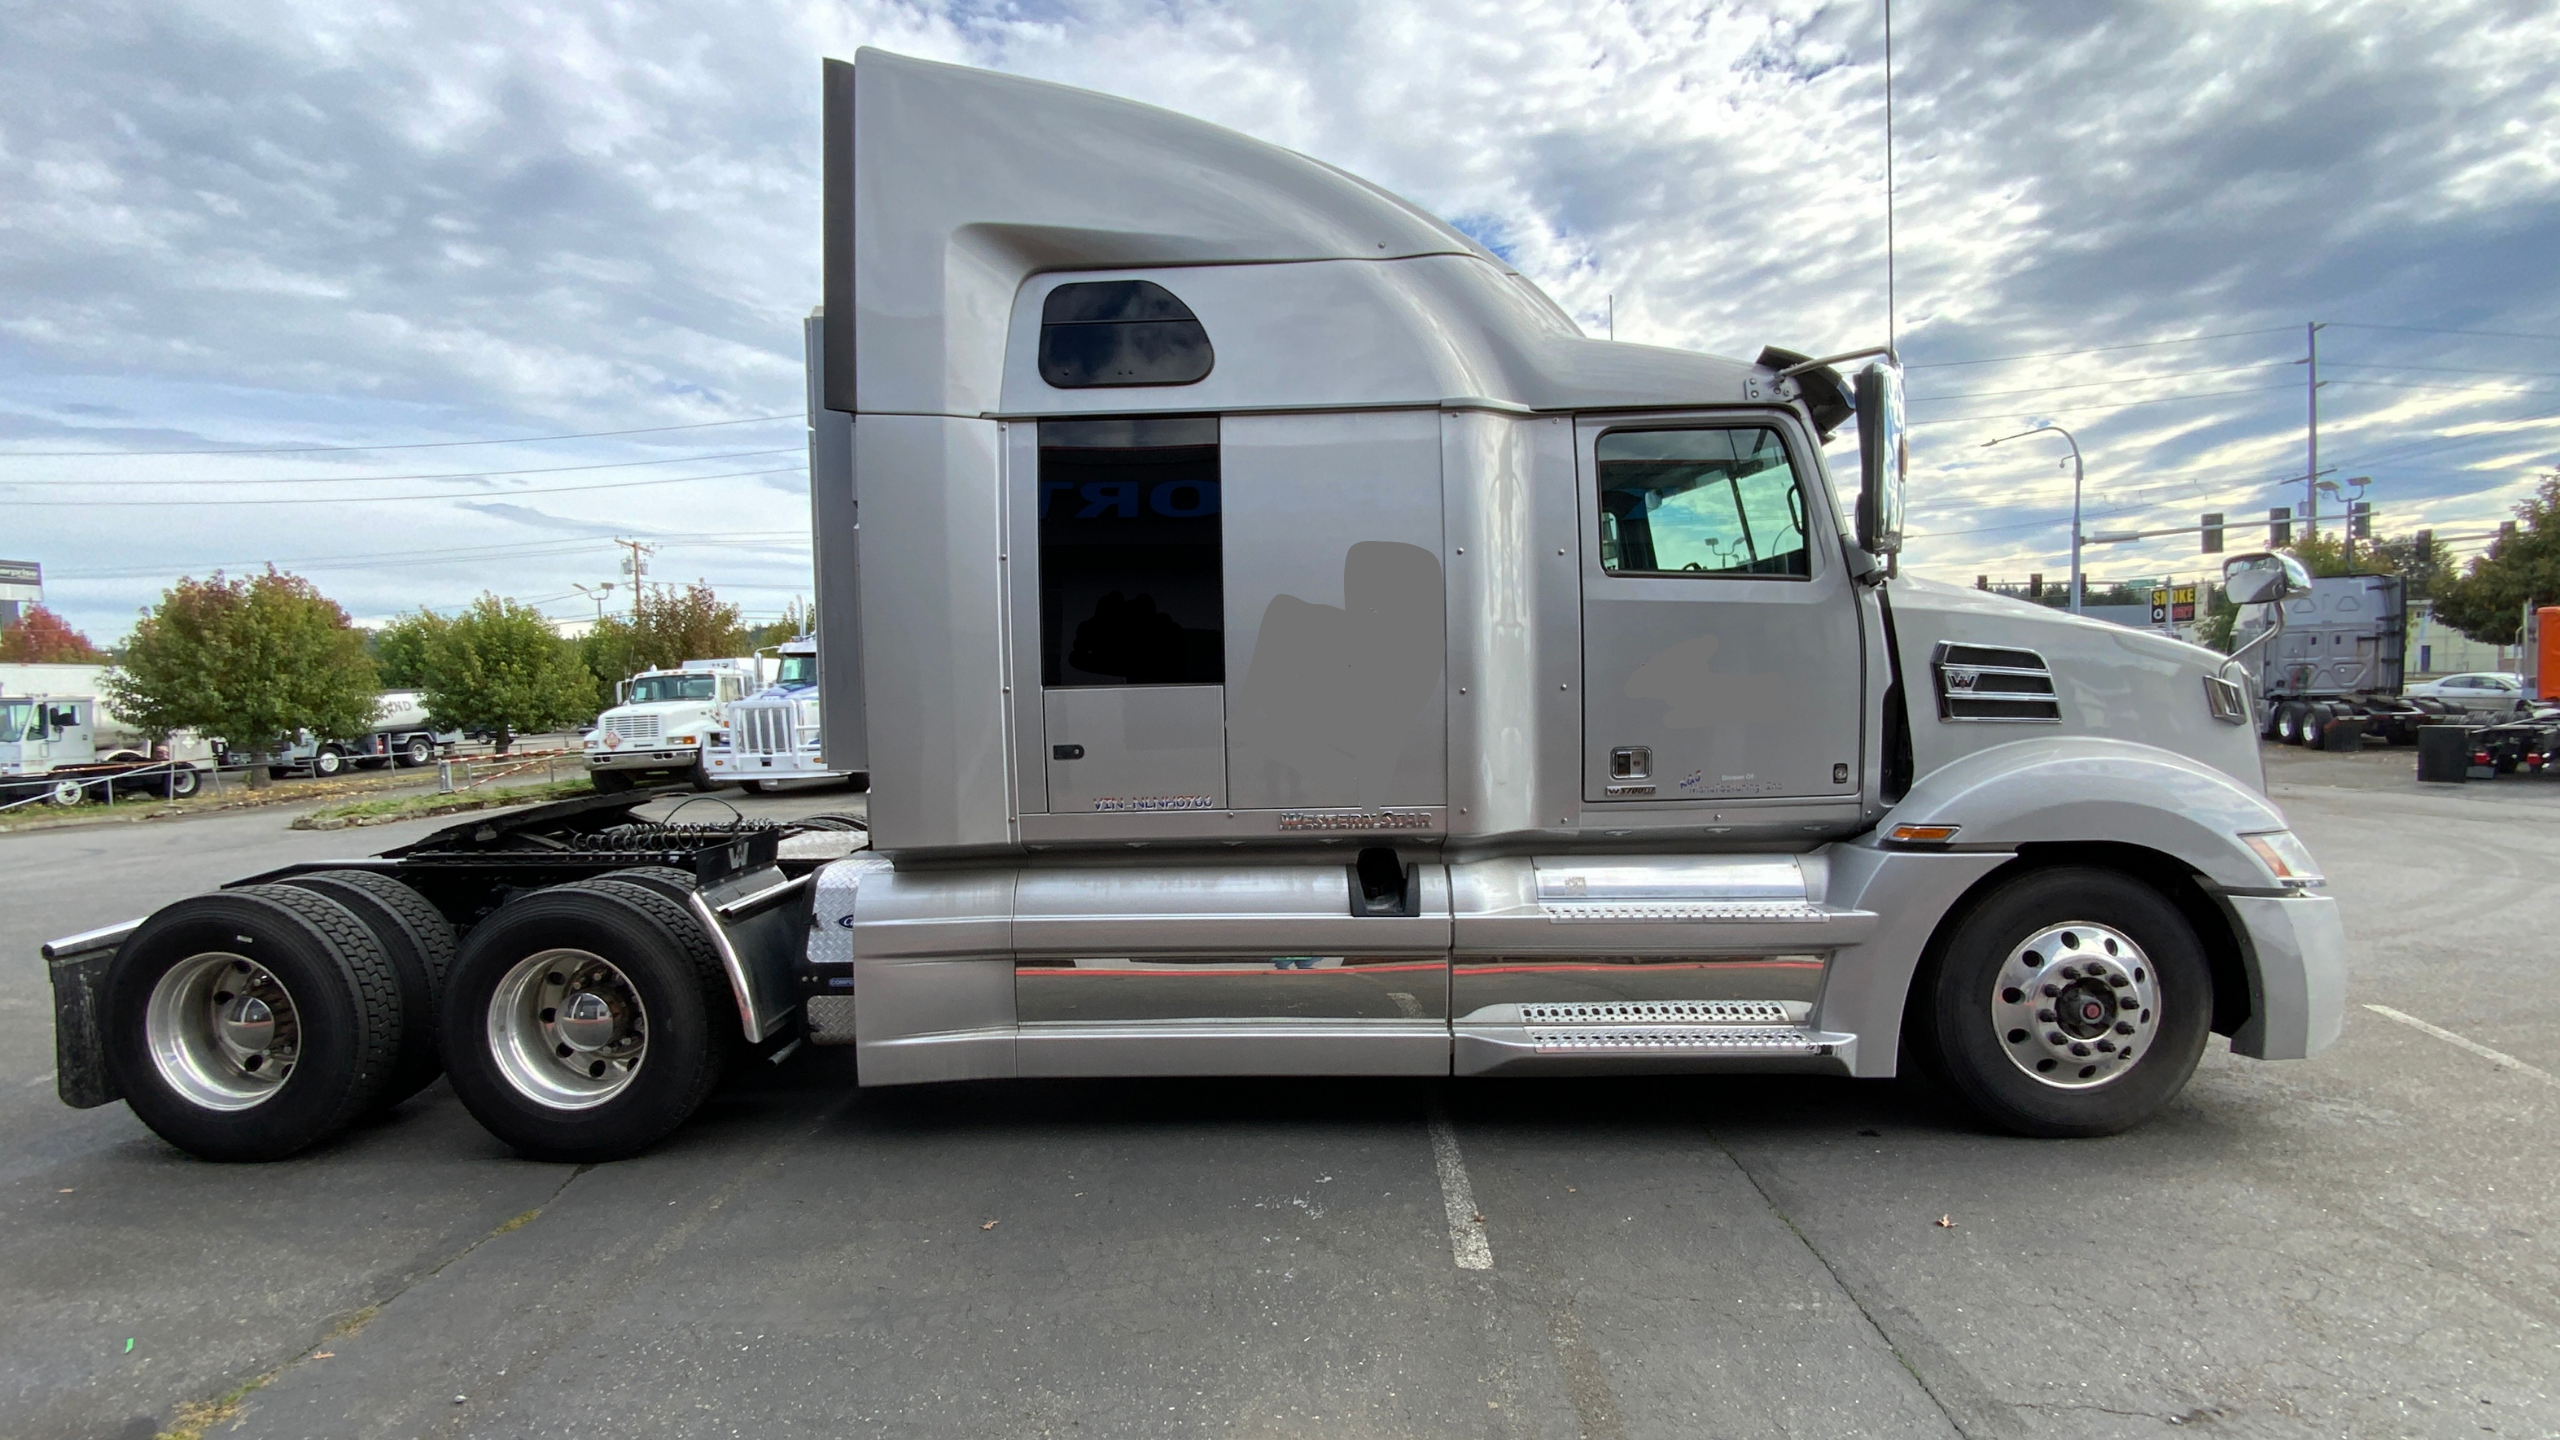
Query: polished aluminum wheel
{"points": [[2076, 1005], [568, 1029], [223, 1031]]}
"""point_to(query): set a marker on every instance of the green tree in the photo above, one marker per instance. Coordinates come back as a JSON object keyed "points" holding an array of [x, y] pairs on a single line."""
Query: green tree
{"points": [[2487, 601], [400, 649], [40, 637], [796, 620], [251, 661], [499, 667]]}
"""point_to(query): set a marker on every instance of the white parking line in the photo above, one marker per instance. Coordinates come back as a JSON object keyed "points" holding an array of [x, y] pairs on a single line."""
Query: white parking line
{"points": [[44, 1079], [1466, 1223], [2494, 1057]]}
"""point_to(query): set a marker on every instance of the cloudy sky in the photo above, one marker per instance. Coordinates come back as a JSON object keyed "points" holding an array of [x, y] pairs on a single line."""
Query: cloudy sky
{"points": [[234, 232]]}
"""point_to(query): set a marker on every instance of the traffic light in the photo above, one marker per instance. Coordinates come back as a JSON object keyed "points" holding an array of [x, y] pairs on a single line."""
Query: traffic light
{"points": [[2035, 586], [2279, 527], [2212, 532], [2426, 546], [2360, 519]]}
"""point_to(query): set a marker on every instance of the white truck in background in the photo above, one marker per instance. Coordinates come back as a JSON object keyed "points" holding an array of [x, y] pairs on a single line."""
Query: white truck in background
{"points": [[401, 735], [778, 733], [664, 718], [49, 750]]}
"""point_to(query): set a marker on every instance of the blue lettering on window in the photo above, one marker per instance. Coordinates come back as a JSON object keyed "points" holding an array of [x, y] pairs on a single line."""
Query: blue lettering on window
{"points": [[1048, 489], [1203, 498], [1101, 495]]}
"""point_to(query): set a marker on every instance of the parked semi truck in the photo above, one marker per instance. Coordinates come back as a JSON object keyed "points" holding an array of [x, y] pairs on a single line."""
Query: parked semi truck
{"points": [[777, 733], [662, 720], [1284, 644], [2340, 657]]}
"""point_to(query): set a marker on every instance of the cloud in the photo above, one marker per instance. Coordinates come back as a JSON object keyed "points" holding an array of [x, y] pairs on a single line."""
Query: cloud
{"points": [[285, 222]]}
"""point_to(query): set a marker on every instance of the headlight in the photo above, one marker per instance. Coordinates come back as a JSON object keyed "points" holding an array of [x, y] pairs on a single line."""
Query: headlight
{"points": [[682, 740], [2287, 858]]}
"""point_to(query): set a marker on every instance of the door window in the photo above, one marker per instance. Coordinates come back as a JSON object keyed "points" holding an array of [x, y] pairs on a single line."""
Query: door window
{"points": [[1706, 502]]}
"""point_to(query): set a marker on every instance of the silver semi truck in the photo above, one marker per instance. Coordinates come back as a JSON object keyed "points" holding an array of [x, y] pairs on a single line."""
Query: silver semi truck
{"points": [[1284, 644]]}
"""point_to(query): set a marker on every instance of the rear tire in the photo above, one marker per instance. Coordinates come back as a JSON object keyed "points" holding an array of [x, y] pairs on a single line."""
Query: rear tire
{"points": [[415, 751], [2011, 1060], [217, 996], [419, 943], [643, 961]]}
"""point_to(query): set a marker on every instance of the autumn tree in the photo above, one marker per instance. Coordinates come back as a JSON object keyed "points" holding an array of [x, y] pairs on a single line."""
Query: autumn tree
{"points": [[796, 620], [40, 637], [250, 660], [499, 667], [676, 624]]}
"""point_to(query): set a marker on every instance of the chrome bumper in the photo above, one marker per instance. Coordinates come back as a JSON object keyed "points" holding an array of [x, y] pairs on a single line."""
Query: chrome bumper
{"points": [[642, 758], [2297, 958]]}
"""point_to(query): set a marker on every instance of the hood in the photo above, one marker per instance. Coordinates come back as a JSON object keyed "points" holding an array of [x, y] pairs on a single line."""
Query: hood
{"points": [[2108, 680]]}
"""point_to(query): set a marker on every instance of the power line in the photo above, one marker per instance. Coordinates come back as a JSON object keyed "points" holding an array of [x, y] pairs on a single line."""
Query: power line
{"points": [[2103, 349], [415, 445], [2440, 369], [2433, 330], [463, 555], [363, 479], [2085, 409], [352, 500], [2117, 380]]}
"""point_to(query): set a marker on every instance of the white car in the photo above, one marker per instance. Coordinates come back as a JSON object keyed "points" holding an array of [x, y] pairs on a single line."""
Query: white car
{"points": [[2497, 694]]}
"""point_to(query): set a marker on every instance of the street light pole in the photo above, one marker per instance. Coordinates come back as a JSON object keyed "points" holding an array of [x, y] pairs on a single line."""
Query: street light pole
{"points": [[2076, 478]]}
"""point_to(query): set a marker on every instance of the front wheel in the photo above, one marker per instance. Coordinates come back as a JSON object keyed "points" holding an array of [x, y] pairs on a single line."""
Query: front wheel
{"points": [[2066, 1002], [327, 761], [609, 782]]}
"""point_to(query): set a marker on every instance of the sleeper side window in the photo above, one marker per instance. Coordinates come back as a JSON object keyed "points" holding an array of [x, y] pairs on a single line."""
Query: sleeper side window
{"points": [[1099, 333], [1709, 502], [1132, 586]]}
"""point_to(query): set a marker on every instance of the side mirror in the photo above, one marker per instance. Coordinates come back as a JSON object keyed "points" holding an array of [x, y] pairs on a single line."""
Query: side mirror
{"points": [[2264, 578], [1884, 460]]}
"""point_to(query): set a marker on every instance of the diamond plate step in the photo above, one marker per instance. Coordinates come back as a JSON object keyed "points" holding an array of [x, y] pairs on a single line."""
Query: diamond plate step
{"points": [[1659, 1013], [1679, 1039]]}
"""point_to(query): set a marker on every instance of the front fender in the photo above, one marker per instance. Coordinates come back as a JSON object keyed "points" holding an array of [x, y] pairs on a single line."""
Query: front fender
{"points": [[2066, 788]]}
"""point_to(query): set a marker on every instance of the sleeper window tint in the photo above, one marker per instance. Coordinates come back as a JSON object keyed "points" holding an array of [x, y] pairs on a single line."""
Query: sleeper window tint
{"points": [[1700, 502], [1131, 585]]}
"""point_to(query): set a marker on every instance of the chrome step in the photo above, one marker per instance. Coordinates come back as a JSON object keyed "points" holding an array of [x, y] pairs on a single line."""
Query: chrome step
{"points": [[1796, 910], [1663, 1012], [1679, 1039]]}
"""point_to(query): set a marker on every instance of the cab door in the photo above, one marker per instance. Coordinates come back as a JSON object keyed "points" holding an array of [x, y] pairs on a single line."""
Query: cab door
{"points": [[1721, 642]]}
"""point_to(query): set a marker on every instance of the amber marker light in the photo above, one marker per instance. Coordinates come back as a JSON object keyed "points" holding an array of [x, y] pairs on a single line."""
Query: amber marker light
{"points": [[1922, 834]]}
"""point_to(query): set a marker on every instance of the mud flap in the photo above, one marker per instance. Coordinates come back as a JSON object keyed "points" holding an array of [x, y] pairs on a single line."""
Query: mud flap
{"points": [[80, 1073]]}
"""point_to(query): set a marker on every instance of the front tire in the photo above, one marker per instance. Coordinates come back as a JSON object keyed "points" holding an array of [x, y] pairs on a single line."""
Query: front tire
{"points": [[609, 782], [581, 1025], [328, 761], [2066, 1002]]}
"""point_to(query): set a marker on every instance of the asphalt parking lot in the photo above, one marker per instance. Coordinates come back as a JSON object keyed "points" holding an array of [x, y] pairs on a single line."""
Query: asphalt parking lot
{"points": [[2362, 1244]]}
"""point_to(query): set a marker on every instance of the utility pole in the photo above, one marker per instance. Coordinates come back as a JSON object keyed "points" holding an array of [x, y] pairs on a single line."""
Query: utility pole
{"points": [[635, 565], [2311, 476], [1891, 339]]}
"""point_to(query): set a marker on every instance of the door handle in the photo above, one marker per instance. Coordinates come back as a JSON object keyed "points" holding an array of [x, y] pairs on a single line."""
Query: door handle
{"points": [[1066, 752]]}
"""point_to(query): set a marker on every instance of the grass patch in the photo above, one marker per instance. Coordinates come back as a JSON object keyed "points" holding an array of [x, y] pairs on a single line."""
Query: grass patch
{"points": [[411, 807]]}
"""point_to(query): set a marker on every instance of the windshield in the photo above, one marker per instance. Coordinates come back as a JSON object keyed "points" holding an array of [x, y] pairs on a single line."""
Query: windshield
{"points": [[19, 721], [650, 689], [798, 670]]}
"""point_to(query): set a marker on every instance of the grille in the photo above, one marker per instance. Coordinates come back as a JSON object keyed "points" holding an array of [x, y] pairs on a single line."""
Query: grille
{"points": [[633, 727], [2227, 701], [1994, 684], [763, 729]]}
